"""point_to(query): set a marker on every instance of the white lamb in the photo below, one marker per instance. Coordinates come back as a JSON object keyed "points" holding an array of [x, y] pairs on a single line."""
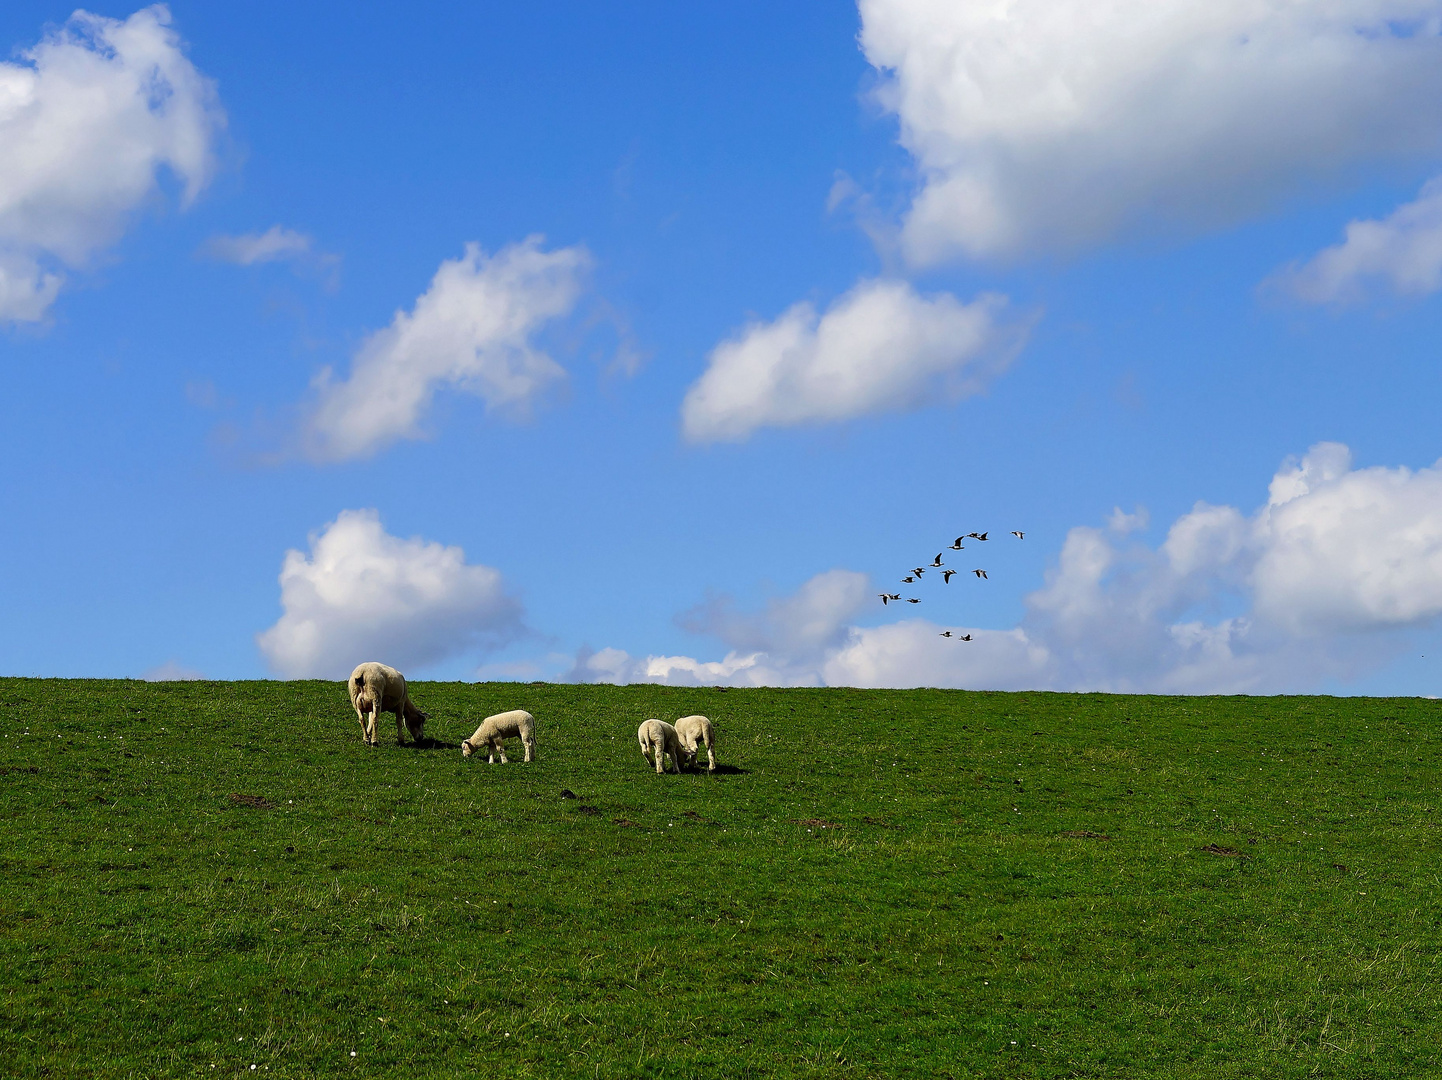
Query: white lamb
{"points": [[377, 688], [657, 739], [691, 730], [494, 730]]}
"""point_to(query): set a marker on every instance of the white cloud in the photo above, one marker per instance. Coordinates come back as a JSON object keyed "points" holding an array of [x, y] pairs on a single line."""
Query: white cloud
{"points": [[1321, 582], [784, 645], [87, 121], [274, 245], [472, 330], [1404, 250], [362, 594], [881, 347], [1043, 126], [172, 671]]}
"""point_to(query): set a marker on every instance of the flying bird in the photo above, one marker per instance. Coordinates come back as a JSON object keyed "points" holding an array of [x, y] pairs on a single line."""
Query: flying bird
{"points": [[964, 637], [979, 573], [936, 561], [912, 600], [887, 597], [918, 571], [907, 580], [1018, 535], [957, 546], [946, 576], [945, 633], [977, 536]]}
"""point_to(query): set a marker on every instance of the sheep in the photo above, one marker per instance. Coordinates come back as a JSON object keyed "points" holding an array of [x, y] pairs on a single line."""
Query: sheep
{"points": [[376, 688], [658, 738], [691, 730], [494, 730]]}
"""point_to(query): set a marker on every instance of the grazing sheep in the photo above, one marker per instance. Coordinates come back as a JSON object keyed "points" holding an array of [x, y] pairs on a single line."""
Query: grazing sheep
{"points": [[691, 730], [495, 730], [376, 688], [658, 738]]}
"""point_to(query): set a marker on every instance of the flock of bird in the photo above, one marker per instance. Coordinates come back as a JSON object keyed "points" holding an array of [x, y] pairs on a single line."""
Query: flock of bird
{"points": [[946, 574]]}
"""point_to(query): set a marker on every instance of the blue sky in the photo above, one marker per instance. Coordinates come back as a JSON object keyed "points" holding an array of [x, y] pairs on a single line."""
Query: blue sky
{"points": [[662, 339]]}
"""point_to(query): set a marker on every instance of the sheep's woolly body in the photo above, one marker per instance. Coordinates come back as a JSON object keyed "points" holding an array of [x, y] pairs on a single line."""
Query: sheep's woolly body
{"points": [[494, 730], [657, 739], [691, 730], [377, 688]]}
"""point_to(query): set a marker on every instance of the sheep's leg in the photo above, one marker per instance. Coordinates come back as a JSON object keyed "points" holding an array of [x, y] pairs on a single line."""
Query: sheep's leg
{"points": [[502, 748], [710, 758], [371, 718], [361, 719], [659, 750], [530, 749], [400, 727]]}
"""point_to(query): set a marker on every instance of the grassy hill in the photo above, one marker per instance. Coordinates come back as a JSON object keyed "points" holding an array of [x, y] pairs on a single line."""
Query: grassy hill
{"points": [[205, 879]]}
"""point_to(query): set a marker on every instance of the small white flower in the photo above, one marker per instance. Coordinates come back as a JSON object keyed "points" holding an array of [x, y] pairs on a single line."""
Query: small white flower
{"points": [[352, 1053]]}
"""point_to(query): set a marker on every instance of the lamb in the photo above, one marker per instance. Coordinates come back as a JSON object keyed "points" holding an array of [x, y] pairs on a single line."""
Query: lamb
{"points": [[693, 729], [657, 739], [494, 730], [377, 688]]}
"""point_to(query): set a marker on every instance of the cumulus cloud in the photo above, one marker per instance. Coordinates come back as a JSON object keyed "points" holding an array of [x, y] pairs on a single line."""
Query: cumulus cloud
{"points": [[472, 330], [89, 118], [1043, 126], [1320, 582], [881, 347], [362, 594], [1402, 250], [276, 244]]}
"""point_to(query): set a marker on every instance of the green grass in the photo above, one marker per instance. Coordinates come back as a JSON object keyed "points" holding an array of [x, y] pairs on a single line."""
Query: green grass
{"points": [[443, 918]]}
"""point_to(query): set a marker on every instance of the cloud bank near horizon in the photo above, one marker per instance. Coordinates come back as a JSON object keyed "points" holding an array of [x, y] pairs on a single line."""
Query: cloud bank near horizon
{"points": [[1322, 581]]}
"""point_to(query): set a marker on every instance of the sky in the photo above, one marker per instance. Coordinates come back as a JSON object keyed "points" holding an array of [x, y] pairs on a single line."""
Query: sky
{"points": [[646, 342]]}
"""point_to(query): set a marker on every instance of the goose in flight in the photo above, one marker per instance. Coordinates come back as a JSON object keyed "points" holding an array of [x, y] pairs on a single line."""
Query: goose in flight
{"points": [[919, 570], [964, 637], [912, 600], [946, 576], [907, 580], [1019, 536], [977, 536], [887, 597], [936, 561], [945, 633], [979, 573], [957, 546]]}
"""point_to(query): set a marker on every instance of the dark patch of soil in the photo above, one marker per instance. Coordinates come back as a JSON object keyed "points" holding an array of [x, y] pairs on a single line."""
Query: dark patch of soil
{"points": [[254, 801], [879, 823], [816, 823], [1085, 834], [567, 793], [1339, 866], [626, 823], [588, 809], [1222, 850]]}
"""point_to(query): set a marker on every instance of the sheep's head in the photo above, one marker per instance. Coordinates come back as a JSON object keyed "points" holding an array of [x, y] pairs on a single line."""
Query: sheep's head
{"points": [[688, 756], [466, 748], [416, 722]]}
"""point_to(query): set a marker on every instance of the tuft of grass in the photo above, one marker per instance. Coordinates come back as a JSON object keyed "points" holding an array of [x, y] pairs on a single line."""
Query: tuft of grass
{"points": [[200, 877]]}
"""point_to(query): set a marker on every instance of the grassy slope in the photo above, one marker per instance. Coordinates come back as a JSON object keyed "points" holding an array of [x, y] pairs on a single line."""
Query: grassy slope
{"points": [[439, 917]]}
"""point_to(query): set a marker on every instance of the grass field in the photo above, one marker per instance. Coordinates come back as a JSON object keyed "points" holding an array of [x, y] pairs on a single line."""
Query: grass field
{"points": [[205, 879]]}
